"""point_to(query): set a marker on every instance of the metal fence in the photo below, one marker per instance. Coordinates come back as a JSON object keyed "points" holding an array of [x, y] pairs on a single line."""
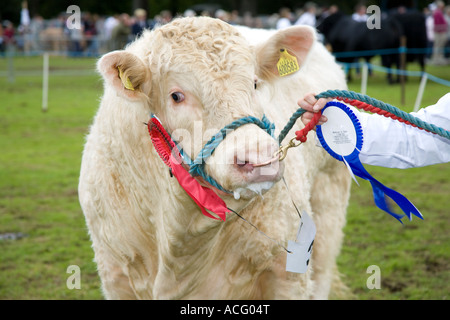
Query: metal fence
{"points": [[57, 43]]}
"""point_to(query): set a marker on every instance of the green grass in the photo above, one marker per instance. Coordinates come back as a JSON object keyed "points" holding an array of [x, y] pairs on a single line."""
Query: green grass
{"points": [[413, 258], [39, 168], [40, 162]]}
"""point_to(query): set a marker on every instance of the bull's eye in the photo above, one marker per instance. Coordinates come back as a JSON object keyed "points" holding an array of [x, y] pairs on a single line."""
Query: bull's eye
{"points": [[177, 97], [256, 85]]}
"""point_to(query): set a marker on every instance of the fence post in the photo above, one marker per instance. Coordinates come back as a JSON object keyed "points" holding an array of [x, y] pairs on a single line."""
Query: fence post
{"points": [[423, 83], [364, 76], [45, 83], [403, 67], [10, 52]]}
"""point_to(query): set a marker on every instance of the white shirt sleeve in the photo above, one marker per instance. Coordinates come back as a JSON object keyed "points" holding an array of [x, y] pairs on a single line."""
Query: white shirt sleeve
{"points": [[389, 143]]}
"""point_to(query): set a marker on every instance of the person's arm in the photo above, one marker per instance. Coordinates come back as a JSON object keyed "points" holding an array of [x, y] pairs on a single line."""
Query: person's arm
{"points": [[389, 143]]}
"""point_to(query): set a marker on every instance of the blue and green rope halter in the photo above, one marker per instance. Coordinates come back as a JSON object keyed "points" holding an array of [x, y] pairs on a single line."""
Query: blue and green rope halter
{"points": [[197, 166]]}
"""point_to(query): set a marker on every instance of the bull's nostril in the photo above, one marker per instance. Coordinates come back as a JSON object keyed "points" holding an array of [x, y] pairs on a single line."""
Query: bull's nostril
{"points": [[243, 165]]}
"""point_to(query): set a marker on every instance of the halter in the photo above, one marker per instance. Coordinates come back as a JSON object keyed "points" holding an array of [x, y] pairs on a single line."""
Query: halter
{"points": [[197, 167]]}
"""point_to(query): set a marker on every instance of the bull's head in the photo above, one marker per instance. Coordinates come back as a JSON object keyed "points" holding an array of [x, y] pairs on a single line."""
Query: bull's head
{"points": [[199, 74]]}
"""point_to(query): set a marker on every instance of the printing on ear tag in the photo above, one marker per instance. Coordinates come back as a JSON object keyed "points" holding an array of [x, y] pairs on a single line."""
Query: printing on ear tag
{"points": [[297, 261], [287, 64], [126, 82]]}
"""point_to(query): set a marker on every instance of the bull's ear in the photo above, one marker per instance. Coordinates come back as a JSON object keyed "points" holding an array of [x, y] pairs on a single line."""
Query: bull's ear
{"points": [[125, 72], [280, 50]]}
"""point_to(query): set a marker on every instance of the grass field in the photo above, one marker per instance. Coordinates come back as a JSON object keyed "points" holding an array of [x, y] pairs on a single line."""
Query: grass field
{"points": [[39, 168]]}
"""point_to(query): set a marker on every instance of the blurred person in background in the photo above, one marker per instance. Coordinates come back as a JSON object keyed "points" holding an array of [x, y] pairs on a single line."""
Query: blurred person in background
{"points": [[140, 23], [90, 34], [189, 13], [108, 26], [285, 19], [2, 43], [360, 13], [247, 19], [36, 27], [120, 33], [24, 28], [429, 25], [76, 37], [440, 28], [8, 35], [235, 19], [447, 18], [166, 16], [222, 15], [308, 18]]}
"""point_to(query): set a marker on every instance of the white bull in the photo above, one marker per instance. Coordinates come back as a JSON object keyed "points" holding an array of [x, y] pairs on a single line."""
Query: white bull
{"points": [[150, 239]]}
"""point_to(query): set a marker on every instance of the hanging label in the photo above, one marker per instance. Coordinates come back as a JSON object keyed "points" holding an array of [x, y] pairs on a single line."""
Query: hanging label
{"points": [[287, 64], [300, 250]]}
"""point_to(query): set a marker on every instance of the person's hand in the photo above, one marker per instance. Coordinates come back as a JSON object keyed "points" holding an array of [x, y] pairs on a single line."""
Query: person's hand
{"points": [[312, 105]]}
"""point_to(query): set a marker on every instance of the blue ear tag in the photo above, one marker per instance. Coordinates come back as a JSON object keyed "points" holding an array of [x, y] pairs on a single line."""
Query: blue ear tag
{"points": [[342, 137]]}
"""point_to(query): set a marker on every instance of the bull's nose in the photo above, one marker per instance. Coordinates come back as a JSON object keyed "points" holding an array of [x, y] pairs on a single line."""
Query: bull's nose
{"points": [[260, 171]]}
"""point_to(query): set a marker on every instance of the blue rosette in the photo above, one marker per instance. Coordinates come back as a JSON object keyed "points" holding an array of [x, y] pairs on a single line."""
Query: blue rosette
{"points": [[356, 124], [342, 137]]}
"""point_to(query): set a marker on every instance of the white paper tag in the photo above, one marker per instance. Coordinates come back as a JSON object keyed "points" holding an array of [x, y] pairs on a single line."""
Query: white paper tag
{"points": [[339, 131], [297, 261]]}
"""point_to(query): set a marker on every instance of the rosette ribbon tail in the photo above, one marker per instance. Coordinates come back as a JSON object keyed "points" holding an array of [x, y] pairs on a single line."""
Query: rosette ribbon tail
{"points": [[380, 192], [205, 198]]}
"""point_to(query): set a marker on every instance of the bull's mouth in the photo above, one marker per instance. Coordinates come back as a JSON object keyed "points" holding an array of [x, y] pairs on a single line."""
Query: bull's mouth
{"points": [[252, 190], [269, 172]]}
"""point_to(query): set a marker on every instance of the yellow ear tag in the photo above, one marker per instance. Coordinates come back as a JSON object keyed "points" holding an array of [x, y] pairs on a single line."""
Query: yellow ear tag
{"points": [[126, 82], [287, 64]]}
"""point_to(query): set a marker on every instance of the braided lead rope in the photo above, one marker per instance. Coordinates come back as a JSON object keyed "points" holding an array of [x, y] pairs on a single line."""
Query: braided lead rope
{"points": [[301, 134], [385, 109], [367, 103], [297, 114]]}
